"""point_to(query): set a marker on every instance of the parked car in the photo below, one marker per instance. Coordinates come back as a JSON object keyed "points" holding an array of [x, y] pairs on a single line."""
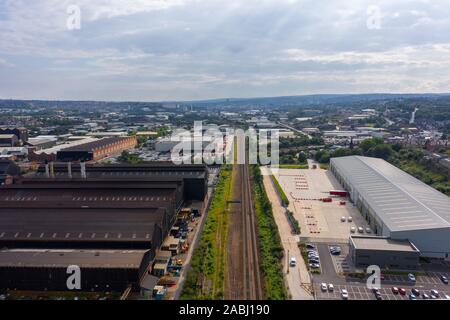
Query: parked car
{"points": [[378, 295], [336, 250], [412, 297], [310, 246], [323, 287], [330, 287], [314, 265], [435, 293], [402, 291], [360, 230], [415, 292], [447, 297], [293, 262], [343, 219], [368, 230], [425, 296], [444, 279], [394, 290], [344, 294], [350, 219], [411, 277], [313, 261], [353, 229]]}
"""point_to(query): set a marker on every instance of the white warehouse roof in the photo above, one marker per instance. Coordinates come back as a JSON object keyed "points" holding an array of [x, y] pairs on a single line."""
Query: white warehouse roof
{"points": [[401, 201]]}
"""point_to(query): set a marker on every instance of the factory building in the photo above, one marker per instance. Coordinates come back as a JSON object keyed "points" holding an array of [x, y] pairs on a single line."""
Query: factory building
{"points": [[395, 204], [8, 140], [85, 149], [96, 150], [108, 220], [20, 133], [8, 170]]}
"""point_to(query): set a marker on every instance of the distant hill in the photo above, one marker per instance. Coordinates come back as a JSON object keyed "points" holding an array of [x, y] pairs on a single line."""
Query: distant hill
{"points": [[317, 99]]}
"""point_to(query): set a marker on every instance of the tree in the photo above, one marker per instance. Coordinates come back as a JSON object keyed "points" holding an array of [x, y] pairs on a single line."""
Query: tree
{"points": [[383, 151], [368, 144], [302, 158], [322, 156]]}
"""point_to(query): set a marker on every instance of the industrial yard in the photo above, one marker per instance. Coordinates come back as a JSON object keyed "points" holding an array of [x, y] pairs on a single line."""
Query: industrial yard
{"points": [[307, 190]]}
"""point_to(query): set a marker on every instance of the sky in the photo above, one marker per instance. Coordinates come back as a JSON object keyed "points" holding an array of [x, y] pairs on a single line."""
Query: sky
{"points": [[154, 50]]}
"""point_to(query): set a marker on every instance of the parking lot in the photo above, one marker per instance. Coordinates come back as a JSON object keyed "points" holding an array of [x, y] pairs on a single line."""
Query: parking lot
{"points": [[305, 188], [361, 292], [333, 266]]}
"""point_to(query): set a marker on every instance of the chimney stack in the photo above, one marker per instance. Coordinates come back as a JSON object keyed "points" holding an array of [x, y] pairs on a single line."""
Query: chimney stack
{"points": [[83, 169], [47, 172], [52, 170], [69, 169]]}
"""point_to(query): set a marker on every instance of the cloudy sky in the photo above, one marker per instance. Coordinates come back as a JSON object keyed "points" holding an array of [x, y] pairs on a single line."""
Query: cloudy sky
{"points": [[146, 50]]}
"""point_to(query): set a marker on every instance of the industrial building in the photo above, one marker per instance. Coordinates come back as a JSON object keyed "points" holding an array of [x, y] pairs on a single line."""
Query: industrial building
{"points": [[84, 149], [39, 143], [108, 220], [383, 252], [43, 269], [96, 150], [8, 170], [20, 133], [8, 140], [395, 204]]}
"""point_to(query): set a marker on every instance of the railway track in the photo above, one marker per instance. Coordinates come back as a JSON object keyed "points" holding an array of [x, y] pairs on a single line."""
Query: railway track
{"points": [[243, 277], [252, 286]]}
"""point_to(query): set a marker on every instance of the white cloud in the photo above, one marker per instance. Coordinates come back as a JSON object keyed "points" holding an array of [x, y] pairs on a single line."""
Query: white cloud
{"points": [[181, 49]]}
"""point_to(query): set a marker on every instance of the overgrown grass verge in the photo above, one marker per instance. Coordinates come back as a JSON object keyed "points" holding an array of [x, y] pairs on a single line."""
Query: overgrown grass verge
{"points": [[284, 198], [205, 278], [270, 248], [293, 166], [293, 222]]}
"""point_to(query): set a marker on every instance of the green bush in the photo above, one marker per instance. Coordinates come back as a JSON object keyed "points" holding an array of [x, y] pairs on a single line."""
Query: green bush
{"points": [[208, 260], [270, 248], [284, 198]]}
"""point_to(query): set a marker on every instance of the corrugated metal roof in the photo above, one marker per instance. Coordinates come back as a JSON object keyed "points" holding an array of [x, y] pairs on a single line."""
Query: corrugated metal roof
{"points": [[59, 258], [400, 200], [112, 225]]}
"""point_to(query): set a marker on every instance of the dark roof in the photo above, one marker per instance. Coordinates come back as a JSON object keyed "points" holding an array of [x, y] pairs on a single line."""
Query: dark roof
{"points": [[100, 195], [90, 146], [63, 258], [80, 224], [9, 167], [156, 170]]}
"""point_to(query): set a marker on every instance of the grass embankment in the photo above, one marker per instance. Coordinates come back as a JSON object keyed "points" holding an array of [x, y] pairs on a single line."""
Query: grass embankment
{"points": [[270, 248], [293, 166], [205, 278], [284, 198], [324, 166], [293, 222]]}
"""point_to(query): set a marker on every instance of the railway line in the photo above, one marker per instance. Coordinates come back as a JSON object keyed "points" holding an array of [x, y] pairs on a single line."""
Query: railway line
{"points": [[243, 277], [252, 276]]}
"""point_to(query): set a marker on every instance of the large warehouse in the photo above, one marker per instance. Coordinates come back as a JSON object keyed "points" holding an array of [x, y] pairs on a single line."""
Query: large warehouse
{"points": [[395, 204], [108, 220]]}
